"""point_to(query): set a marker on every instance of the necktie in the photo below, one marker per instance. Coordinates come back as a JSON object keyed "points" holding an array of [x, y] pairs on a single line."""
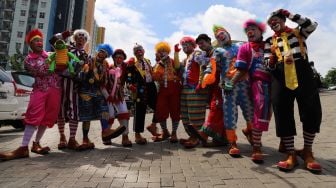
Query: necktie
{"points": [[289, 65]]}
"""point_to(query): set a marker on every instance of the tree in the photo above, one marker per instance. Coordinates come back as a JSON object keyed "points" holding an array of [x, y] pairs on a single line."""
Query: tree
{"points": [[3, 60], [330, 78], [16, 61]]}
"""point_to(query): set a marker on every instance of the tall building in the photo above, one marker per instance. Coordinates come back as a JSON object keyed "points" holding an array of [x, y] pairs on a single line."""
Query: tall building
{"points": [[100, 35], [27, 15], [89, 24], [7, 8], [79, 14], [64, 15]]}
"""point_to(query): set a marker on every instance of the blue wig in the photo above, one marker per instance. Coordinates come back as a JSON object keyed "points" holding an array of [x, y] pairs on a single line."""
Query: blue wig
{"points": [[105, 47]]}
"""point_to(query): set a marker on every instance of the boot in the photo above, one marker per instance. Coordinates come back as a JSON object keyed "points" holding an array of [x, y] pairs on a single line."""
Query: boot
{"points": [[257, 155], [21, 152], [73, 144], [87, 144], [233, 150], [309, 160], [36, 148], [125, 141], [289, 163], [108, 134], [63, 143]]}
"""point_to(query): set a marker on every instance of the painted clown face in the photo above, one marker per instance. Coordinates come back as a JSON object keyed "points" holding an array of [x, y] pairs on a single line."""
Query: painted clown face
{"points": [[223, 37], [37, 45], [277, 24], [188, 47], [118, 59], [139, 52], [81, 40], [162, 54], [253, 33], [101, 55]]}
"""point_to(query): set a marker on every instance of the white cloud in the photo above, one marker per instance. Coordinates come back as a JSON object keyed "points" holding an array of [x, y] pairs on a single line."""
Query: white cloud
{"points": [[320, 43], [124, 27]]}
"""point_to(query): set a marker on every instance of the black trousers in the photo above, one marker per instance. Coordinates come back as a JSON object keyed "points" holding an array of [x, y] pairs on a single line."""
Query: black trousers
{"points": [[306, 95], [147, 99]]}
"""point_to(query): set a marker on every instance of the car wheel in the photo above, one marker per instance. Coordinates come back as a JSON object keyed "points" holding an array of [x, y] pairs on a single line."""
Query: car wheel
{"points": [[18, 124]]}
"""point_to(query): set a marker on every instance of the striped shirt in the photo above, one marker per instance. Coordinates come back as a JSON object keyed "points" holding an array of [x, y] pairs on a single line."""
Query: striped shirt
{"points": [[306, 27]]}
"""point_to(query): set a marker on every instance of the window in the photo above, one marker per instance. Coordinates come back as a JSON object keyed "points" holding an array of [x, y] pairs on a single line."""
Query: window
{"points": [[19, 34], [23, 13], [24, 2], [21, 23], [40, 25], [43, 4], [42, 14], [18, 45]]}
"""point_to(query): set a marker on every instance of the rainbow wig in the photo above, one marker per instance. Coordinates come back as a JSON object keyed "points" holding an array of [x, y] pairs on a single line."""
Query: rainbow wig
{"points": [[162, 46], [106, 48], [258, 23]]}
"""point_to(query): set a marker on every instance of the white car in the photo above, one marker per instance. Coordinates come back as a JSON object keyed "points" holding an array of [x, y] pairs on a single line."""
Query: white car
{"points": [[15, 89]]}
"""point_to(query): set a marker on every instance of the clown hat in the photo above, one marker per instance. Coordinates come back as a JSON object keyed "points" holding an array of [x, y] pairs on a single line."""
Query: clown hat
{"points": [[33, 34], [258, 23], [106, 48]]}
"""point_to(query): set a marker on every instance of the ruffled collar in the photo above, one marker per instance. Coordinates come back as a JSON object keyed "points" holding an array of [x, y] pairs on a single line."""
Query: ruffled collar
{"points": [[286, 30], [33, 55]]}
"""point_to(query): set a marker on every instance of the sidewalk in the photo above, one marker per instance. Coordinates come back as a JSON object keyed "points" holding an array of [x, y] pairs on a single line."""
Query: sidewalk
{"points": [[168, 165]]}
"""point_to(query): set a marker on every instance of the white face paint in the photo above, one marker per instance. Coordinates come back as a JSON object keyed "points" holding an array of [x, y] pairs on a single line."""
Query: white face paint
{"points": [[223, 37], [253, 33], [277, 24]]}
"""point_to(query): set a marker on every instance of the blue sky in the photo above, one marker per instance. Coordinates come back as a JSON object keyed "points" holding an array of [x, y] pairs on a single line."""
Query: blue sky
{"points": [[149, 21]]}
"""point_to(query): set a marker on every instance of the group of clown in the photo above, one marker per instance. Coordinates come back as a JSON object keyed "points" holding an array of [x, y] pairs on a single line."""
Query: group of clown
{"points": [[260, 76]]}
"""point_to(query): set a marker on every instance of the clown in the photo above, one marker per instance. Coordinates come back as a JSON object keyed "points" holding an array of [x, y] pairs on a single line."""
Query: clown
{"points": [[114, 94], [293, 79], [143, 90], [44, 101], [166, 73], [250, 61], [92, 104], [70, 85], [214, 125], [236, 91], [193, 104]]}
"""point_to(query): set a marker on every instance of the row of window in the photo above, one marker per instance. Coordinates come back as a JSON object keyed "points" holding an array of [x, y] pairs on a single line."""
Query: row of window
{"points": [[23, 13], [25, 3]]}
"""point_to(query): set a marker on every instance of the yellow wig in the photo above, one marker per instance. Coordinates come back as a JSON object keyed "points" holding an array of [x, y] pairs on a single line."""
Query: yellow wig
{"points": [[162, 46]]}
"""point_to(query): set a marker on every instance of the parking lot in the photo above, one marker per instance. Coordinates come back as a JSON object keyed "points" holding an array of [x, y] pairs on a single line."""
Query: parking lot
{"points": [[168, 165]]}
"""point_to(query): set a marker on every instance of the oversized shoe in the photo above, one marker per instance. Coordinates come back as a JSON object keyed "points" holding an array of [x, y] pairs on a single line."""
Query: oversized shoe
{"points": [[86, 145], [21, 152], [108, 134], [234, 151], [257, 155], [309, 160], [125, 142], [73, 144], [36, 148], [289, 163]]}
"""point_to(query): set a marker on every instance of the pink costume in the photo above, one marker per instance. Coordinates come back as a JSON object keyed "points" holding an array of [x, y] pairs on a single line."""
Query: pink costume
{"points": [[44, 102]]}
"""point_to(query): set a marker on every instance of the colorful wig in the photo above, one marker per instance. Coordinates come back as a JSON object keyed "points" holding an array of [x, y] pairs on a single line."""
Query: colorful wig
{"points": [[258, 23], [217, 28], [33, 34], [106, 48], [162, 46], [188, 39]]}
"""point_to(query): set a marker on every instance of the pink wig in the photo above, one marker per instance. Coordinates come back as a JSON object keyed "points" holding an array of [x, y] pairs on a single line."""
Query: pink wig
{"points": [[259, 24]]}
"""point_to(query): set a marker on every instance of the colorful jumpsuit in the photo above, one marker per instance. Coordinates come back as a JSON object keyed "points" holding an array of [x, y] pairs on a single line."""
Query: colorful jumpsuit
{"points": [[240, 95]]}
